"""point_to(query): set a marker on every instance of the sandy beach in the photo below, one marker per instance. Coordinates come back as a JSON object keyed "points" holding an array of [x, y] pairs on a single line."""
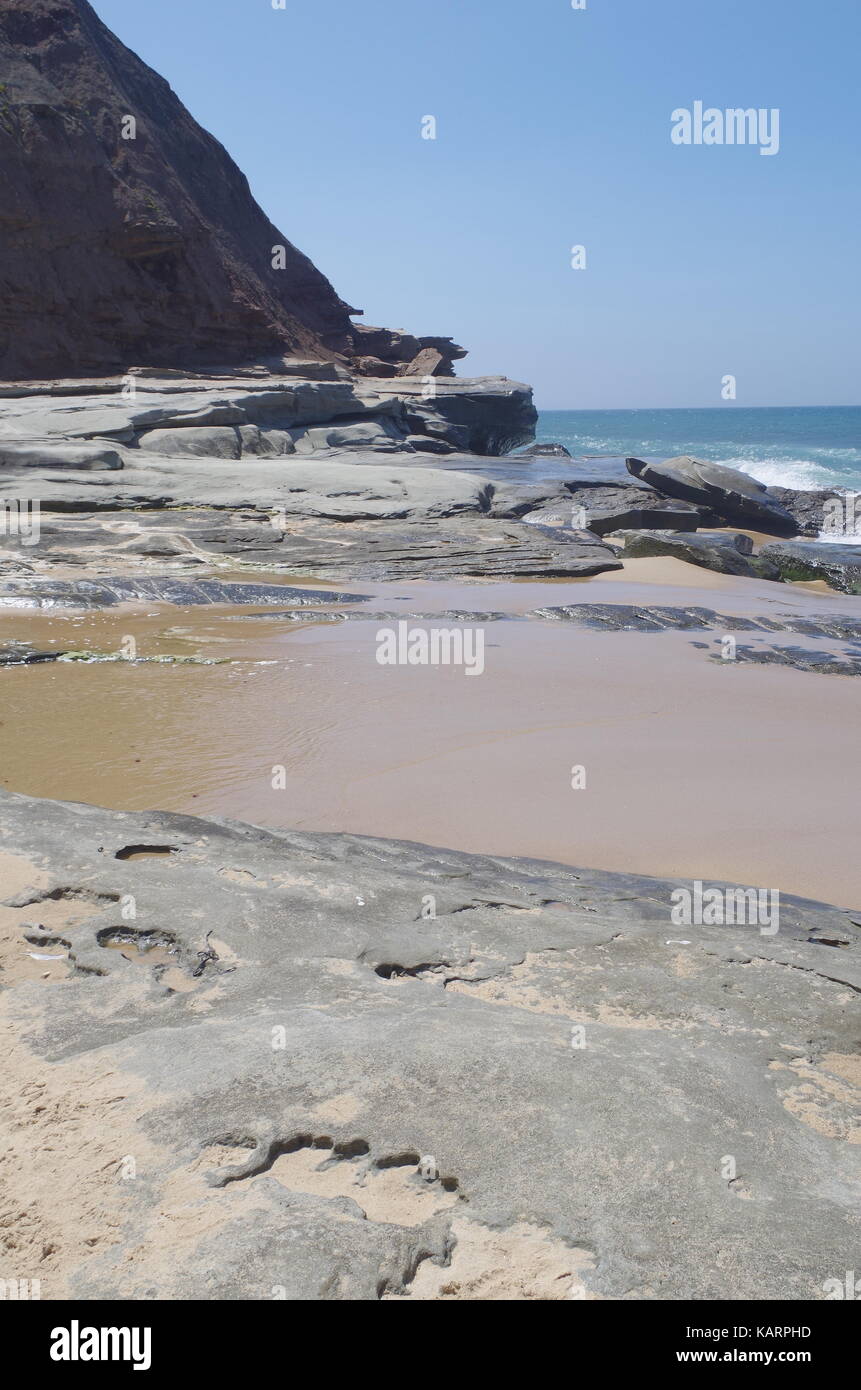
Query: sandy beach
{"points": [[693, 768]]}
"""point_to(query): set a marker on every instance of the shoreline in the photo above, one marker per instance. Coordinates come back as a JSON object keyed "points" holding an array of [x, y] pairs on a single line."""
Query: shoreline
{"points": [[484, 764]]}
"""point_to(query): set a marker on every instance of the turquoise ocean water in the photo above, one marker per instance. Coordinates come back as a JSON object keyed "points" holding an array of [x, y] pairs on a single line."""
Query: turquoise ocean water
{"points": [[797, 446]]}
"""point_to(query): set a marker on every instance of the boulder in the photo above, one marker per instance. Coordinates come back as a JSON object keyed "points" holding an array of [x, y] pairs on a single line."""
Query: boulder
{"points": [[425, 363], [730, 494], [522, 500], [545, 450], [832, 510], [380, 435], [726, 554], [214, 441], [428, 444], [839, 565], [52, 454], [495, 414], [401, 351], [605, 509]]}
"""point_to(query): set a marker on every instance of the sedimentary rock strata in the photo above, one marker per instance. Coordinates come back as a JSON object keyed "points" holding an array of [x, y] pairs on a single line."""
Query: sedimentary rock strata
{"points": [[128, 234], [292, 1022]]}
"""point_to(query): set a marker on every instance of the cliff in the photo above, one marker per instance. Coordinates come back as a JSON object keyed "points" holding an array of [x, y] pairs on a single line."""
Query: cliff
{"points": [[129, 236]]}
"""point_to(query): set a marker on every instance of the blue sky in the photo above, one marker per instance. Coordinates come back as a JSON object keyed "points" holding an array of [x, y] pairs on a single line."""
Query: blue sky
{"points": [[553, 131]]}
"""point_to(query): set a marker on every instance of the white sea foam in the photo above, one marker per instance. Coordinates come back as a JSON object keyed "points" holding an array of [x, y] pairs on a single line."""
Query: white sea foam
{"points": [[800, 474]]}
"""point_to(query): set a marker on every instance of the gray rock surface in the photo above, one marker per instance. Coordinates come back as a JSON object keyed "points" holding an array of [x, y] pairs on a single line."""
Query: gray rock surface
{"points": [[615, 508], [486, 415], [725, 553], [577, 1065], [106, 593], [545, 450], [624, 617], [839, 565], [820, 663], [459, 545], [815, 510], [732, 495], [347, 486]]}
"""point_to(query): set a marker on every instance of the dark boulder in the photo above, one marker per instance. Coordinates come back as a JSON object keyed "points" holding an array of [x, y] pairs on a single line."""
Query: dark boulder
{"points": [[730, 494], [826, 509], [838, 565], [545, 451], [608, 509], [724, 553]]}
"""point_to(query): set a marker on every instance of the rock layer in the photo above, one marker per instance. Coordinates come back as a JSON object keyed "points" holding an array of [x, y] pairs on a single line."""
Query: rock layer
{"points": [[128, 234], [285, 1030]]}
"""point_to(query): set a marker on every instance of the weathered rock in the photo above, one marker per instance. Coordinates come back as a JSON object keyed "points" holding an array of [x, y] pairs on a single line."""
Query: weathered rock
{"points": [[333, 486], [128, 419], [712, 550], [819, 663], [87, 457], [208, 413], [314, 1034], [215, 441], [545, 450], [374, 366], [400, 351], [823, 509], [425, 444], [730, 494], [23, 654], [126, 243], [425, 363], [380, 435], [624, 617], [534, 500], [605, 509], [838, 565], [494, 415], [106, 593], [461, 544], [114, 249]]}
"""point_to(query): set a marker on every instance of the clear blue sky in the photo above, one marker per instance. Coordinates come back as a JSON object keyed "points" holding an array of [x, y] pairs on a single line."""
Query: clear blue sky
{"points": [[553, 130]]}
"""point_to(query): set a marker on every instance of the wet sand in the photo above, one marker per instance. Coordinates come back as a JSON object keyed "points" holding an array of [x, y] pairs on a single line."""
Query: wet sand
{"points": [[693, 768]]}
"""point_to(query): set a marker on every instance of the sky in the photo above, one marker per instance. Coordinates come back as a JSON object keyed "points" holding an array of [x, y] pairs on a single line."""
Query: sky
{"points": [[553, 131]]}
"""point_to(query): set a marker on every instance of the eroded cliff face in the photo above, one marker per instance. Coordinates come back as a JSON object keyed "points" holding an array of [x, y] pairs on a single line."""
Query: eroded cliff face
{"points": [[151, 250]]}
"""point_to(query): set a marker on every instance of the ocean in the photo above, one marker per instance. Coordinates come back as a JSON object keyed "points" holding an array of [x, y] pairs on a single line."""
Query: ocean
{"points": [[805, 447]]}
